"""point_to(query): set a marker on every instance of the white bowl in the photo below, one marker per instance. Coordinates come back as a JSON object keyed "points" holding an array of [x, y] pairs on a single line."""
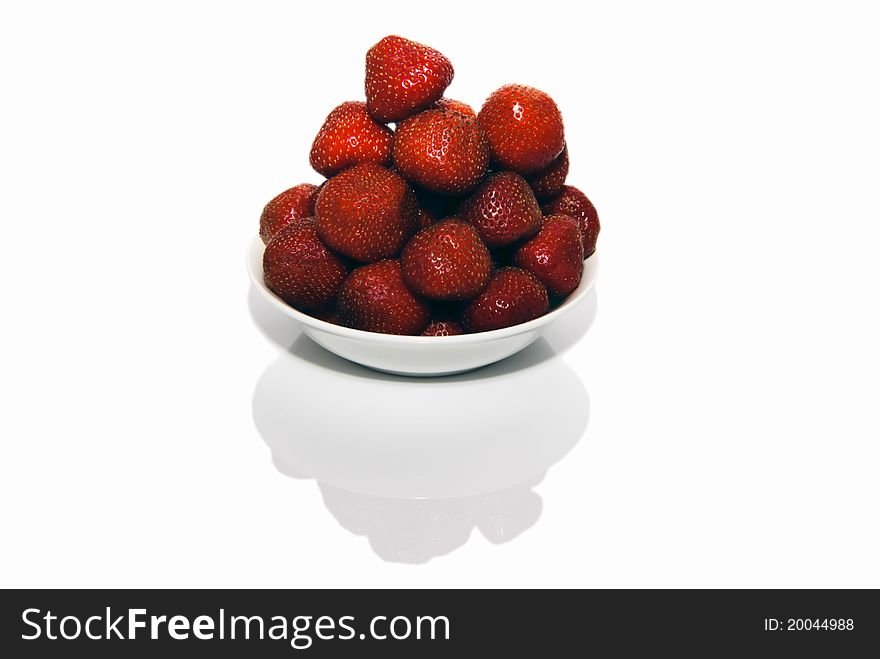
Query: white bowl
{"points": [[420, 355]]}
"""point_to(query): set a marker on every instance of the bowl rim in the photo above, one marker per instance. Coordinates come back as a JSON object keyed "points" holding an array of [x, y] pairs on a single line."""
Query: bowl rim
{"points": [[255, 256]]}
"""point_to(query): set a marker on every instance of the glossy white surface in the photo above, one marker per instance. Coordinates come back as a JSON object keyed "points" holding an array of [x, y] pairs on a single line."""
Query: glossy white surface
{"points": [[420, 355], [723, 426]]}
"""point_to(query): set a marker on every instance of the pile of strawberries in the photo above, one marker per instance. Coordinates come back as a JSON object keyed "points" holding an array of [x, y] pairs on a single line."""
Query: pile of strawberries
{"points": [[453, 222]]}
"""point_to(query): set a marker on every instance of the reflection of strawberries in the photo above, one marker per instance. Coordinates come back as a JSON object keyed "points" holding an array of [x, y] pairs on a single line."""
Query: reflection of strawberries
{"points": [[506, 514], [574, 203], [503, 210], [291, 205], [441, 150], [374, 298], [524, 128], [348, 137], [513, 296], [366, 212], [447, 261], [416, 530], [555, 255], [403, 77], [300, 269]]}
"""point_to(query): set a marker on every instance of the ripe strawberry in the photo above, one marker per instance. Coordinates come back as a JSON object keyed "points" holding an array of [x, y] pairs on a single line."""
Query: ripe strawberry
{"points": [[350, 136], [300, 269], [447, 261], [513, 296], [404, 77], [329, 314], [374, 298], [424, 219], [503, 210], [314, 203], [435, 204], [524, 127], [458, 106], [443, 327], [366, 212], [441, 150], [574, 203], [549, 182], [291, 205], [555, 255]]}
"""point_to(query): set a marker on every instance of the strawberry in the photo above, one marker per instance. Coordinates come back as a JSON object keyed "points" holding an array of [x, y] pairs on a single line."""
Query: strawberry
{"points": [[436, 205], [315, 199], [549, 182], [524, 128], [424, 219], [443, 327], [291, 205], [350, 136], [300, 269], [374, 298], [513, 296], [366, 212], [441, 150], [404, 77], [503, 209], [447, 261], [555, 255], [329, 314], [459, 106], [574, 203]]}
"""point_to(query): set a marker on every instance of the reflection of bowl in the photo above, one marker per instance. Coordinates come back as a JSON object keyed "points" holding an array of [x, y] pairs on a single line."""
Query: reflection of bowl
{"points": [[384, 436], [421, 355]]}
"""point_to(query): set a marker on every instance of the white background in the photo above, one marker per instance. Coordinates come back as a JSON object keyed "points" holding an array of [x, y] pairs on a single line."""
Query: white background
{"points": [[730, 376]]}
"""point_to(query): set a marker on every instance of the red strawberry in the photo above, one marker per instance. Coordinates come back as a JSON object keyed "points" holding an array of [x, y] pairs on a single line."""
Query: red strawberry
{"points": [[555, 255], [524, 127], [314, 203], [574, 203], [435, 204], [350, 136], [459, 106], [443, 327], [374, 298], [404, 77], [549, 182], [289, 206], [447, 261], [329, 314], [300, 269], [513, 296], [503, 210], [441, 150], [366, 212], [424, 219]]}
